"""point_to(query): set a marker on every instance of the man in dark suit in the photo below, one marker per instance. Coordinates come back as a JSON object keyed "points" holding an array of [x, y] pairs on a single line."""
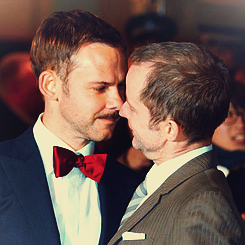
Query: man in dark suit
{"points": [[80, 64], [177, 95]]}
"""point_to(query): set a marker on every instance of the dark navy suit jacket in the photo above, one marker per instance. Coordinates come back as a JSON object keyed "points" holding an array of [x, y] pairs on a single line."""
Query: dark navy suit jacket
{"points": [[26, 211]]}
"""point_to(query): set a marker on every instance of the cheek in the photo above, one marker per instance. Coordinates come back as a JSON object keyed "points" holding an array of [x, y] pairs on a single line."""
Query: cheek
{"points": [[140, 127], [93, 107], [222, 133], [89, 103], [225, 131], [135, 122]]}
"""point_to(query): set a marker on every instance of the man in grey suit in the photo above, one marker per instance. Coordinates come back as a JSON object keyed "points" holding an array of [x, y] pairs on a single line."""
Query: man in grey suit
{"points": [[177, 95]]}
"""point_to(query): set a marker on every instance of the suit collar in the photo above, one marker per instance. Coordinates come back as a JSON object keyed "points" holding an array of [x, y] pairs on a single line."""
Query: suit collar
{"points": [[191, 168], [159, 173]]}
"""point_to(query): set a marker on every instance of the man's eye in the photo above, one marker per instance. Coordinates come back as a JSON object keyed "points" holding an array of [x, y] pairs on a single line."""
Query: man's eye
{"points": [[131, 108], [100, 89]]}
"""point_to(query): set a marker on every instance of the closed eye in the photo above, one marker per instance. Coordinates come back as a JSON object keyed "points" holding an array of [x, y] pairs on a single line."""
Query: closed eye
{"points": [[100, 88], [130, 106]]}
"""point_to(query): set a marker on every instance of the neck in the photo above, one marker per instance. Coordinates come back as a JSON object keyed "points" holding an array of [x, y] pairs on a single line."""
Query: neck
{"points": [[173, 150]]}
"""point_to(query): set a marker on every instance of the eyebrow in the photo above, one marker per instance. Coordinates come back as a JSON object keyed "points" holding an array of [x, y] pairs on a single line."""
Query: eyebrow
{"points": [[105, 83], [99, 83]]}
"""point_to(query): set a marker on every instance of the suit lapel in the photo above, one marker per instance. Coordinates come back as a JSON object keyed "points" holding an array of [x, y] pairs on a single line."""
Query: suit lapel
{"points": [[198, 164], [138, 215], [25, 170]]}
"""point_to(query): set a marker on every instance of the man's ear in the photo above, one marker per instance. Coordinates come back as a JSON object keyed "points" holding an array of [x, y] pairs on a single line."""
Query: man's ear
{"points": [[172, 130], [49, 84]]}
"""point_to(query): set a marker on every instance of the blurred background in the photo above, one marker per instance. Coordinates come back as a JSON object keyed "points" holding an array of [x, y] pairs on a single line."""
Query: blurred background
{"points": [[206, 21], [218, 24]]}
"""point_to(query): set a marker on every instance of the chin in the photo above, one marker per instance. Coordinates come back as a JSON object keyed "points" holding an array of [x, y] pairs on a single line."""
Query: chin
{"points": [[136, 145], [104, 137]]}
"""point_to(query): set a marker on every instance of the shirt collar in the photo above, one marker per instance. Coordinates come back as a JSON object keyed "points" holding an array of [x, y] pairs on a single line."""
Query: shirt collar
{"points": [[159, 173], [46, 140]]}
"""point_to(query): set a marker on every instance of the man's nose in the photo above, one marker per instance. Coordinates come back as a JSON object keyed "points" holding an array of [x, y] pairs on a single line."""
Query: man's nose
{"points": [[115, 100], [241, 121], [123, 110]]}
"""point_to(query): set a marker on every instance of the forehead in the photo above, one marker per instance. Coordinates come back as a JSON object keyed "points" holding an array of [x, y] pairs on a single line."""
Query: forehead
{"points": [[99, 54], [99, 63], [136, 79]]}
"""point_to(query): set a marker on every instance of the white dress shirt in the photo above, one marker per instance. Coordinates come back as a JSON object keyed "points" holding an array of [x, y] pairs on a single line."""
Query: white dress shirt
{"points": [[75, 198], [159, 173]]}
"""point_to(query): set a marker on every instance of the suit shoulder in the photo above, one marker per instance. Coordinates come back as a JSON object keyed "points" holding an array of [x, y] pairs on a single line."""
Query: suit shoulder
{"points": [[18, 146], [210, 180]]}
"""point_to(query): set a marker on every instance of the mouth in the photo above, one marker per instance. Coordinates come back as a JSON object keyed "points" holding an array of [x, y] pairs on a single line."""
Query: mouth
{"points": [[240, 139], [110, 118]]}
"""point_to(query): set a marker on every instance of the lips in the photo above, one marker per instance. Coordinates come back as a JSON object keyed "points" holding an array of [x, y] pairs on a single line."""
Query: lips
{"points": [[240, 139]]}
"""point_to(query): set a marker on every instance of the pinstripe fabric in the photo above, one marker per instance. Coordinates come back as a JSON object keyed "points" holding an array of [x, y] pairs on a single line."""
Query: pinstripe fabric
{"points": [[138, 196], [194, 206]]}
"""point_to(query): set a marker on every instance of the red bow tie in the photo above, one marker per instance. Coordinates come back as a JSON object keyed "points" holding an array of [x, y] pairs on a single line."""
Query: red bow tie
{"points": [[65, 160]]}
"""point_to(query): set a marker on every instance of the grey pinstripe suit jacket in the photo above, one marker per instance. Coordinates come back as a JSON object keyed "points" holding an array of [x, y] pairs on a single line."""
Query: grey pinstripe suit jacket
{"points": [[193, 206]]}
